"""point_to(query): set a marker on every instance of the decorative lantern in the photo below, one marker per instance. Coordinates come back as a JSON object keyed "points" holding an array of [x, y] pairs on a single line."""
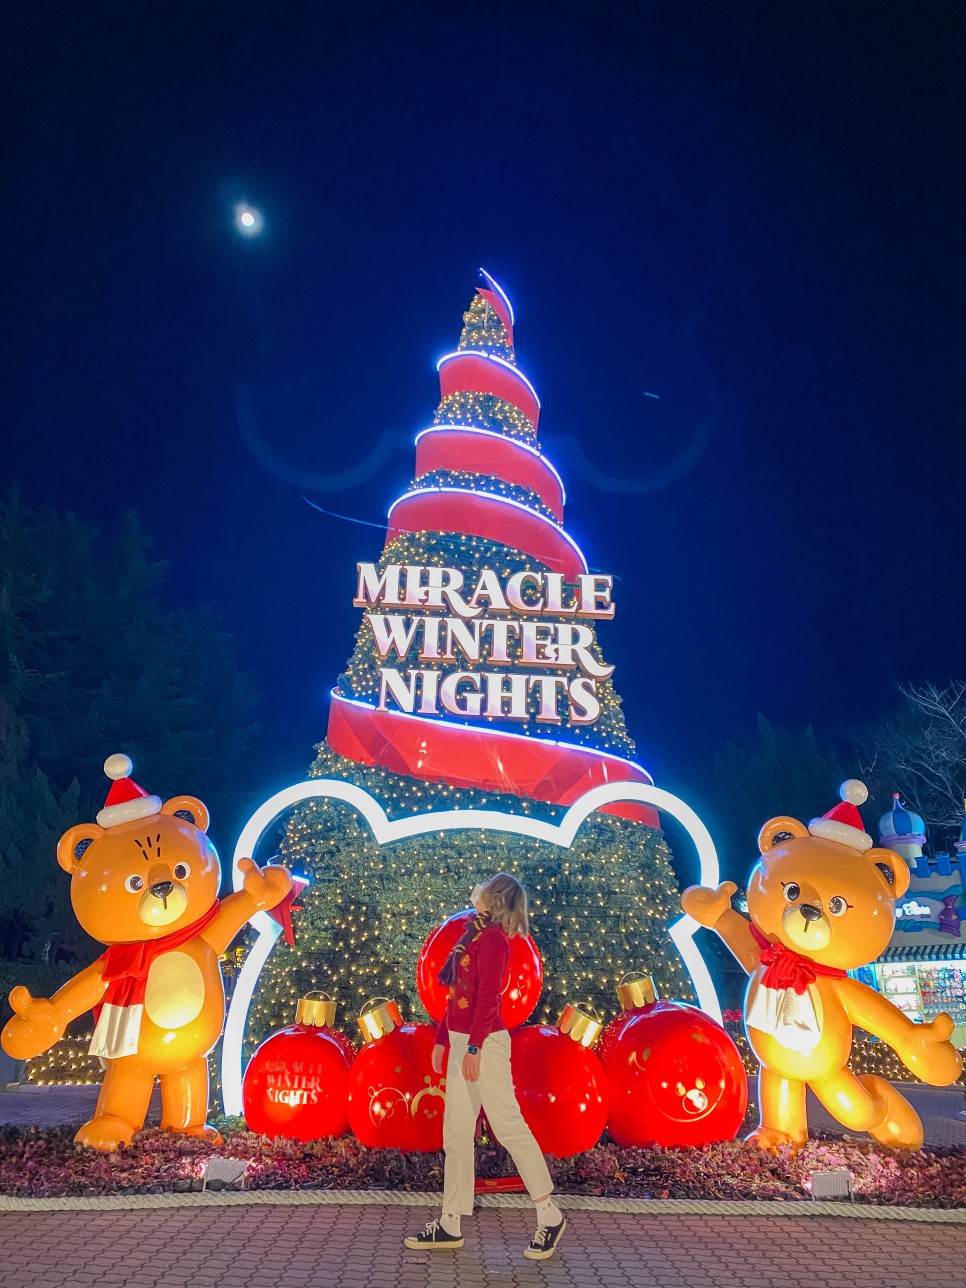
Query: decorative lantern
{"points": [[675, 1076], [521, 986], [395, 1098], [560, 1083], [296, 1083]]}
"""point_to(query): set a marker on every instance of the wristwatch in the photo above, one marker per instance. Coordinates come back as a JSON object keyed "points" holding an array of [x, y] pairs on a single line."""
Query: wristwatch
{"points": [[472, 1050]]}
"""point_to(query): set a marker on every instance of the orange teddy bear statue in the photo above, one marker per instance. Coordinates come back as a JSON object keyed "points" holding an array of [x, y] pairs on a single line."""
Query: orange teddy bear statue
{"points": [[144, 882], [821, 902]]}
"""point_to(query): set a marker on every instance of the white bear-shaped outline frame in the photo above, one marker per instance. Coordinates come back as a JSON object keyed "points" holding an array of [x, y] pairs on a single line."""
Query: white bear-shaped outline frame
{"points": [[384, 830]]}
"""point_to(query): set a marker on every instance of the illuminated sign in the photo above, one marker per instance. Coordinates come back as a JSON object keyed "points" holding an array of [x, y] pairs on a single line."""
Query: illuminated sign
{"points": [[913, 908], [498, 648]]}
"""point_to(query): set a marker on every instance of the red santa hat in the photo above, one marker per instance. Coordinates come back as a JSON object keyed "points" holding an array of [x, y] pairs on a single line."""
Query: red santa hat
{"points": [[126, 801], [843, 823]]}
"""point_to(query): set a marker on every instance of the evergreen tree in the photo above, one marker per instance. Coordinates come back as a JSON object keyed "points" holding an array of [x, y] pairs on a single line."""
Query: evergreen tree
{"points": [[782, 771], [92, 662], [600, 907], [33, 817]]}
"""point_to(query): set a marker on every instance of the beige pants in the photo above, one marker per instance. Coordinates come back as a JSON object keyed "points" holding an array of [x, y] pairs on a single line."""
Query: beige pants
{"points": [[494, 1091]]}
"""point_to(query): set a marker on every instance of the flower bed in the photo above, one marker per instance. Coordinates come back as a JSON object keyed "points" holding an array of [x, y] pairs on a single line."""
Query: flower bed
{"points": [[44, 1163]]}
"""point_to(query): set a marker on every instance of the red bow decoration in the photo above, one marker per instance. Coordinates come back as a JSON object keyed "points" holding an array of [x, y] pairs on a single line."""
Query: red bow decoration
{"points": [[282, 912], [784, 968]]}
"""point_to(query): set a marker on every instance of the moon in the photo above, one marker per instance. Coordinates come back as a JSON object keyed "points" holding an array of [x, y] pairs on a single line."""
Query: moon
{"points": [[248, 220]]}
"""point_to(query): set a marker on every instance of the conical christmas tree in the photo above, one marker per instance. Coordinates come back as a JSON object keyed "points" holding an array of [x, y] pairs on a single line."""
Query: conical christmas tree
{"points": [[476, 681]]}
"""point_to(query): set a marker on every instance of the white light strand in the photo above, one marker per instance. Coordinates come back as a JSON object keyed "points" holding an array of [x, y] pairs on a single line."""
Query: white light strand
{"points": [[498, 500], [385, 830], [492, 433], [490, 357]]}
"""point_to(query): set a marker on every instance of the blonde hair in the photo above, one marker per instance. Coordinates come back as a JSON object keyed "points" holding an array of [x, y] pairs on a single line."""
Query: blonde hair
{"points": [[505, 899]]}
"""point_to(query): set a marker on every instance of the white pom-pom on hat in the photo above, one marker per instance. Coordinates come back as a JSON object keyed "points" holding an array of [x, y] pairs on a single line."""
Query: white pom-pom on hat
{"points": [[843, 823], [126, 801], [118, 766], [854, 790]]}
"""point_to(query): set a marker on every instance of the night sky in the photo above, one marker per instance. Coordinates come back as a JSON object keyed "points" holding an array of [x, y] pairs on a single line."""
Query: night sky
{"points": [[754, 211]]}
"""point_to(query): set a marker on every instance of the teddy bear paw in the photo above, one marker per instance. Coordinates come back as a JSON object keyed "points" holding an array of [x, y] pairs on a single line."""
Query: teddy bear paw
{"points": [[106, 1133], [772, 1140], [200, 1131], [901, 1128], [707, 906]]}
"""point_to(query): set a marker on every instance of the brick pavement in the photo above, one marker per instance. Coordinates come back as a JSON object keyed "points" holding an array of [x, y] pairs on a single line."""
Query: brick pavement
{"points": [[361, 1247], [29, 1106], [261, 1246]]}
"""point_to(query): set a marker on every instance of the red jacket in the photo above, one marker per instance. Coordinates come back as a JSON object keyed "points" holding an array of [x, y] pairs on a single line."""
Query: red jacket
{"points": [[475, 999]]}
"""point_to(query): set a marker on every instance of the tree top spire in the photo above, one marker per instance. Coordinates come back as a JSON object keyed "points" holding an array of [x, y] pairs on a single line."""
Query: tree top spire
{"points": [[488, 322]]}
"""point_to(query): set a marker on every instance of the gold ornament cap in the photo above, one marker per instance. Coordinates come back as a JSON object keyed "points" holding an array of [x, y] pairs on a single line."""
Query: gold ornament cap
{"points": [[635, 989], [316, 1009], [581, 1022], [379, 1016]]}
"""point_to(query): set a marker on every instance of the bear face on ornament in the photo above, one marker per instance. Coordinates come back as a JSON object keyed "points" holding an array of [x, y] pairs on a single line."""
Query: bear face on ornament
{"points": [[144, 882], [675, 1076], [821, 902]]}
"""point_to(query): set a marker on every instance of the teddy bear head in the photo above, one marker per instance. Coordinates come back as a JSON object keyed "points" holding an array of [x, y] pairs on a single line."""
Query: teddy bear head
{"points": [[144, 869], [825, 890]]}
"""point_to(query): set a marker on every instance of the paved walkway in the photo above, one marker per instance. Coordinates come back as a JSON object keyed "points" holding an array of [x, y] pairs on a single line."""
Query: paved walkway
{"points": [[255, 1245], [361, 1247]]}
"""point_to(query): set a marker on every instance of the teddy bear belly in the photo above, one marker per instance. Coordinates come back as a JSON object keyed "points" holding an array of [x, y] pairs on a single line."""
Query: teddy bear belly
{"points": [[175, 992], [825, 1054]]}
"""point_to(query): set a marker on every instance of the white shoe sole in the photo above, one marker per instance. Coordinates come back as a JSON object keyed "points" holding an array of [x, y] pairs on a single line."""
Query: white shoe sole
{"points": [[532, 1254], [415, 1245]]}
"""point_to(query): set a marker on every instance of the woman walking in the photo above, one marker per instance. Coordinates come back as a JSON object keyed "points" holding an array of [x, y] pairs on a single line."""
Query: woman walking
{"points": [[478, 1071]]}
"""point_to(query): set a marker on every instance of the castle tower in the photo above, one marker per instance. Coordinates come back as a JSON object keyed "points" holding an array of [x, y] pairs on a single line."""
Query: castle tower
{"points": [[903, 831]]}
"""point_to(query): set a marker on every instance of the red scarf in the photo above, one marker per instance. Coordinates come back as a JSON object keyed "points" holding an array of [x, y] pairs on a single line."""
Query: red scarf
{"points": [[447, 973], [784, 968], [126, 966]]}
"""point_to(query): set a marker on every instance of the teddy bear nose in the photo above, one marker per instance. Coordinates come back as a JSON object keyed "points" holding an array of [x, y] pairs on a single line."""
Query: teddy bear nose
{"points": [[808, 911], [161, 889]]}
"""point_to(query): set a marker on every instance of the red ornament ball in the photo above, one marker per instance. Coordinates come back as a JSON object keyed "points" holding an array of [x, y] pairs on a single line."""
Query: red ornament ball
{"points": [[521, 987], [675, 1078], [345, 1045], [297, 1084], [607, 1040], [561, 1088], [395, 1099]]}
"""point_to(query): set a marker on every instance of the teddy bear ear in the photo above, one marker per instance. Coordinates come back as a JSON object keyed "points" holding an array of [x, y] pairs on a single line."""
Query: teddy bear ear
{"points": [[190, 809], [893, 870], [780, 829], [71, 846]]}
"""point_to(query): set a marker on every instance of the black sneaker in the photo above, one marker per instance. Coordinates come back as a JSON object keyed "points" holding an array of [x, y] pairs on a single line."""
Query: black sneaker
{"points": [[544, 1242], [433, 1237]]}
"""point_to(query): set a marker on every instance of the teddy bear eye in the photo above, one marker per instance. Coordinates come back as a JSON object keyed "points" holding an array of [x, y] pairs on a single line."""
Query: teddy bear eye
{"points": [[837, 905], [182, 871], [133, 884], [792, 891]]}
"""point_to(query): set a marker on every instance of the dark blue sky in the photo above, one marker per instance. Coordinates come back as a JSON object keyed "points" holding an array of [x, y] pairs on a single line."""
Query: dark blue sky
{"points": [[752, 210]]}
